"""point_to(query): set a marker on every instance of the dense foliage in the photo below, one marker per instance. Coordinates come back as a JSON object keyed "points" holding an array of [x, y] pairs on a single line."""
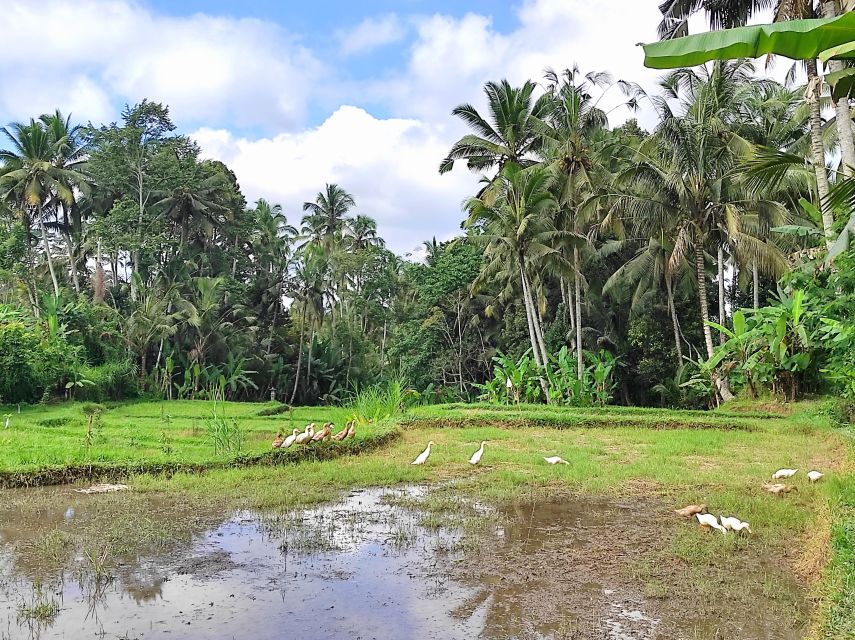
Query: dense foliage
{"points": [[596, 265]]}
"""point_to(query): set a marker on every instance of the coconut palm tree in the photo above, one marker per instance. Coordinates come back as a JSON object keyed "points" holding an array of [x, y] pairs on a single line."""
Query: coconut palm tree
{"points": [[687, 179], [361, 232], [33, 176], [326, 217], [516, 230], [574, 144], [507, 135]]}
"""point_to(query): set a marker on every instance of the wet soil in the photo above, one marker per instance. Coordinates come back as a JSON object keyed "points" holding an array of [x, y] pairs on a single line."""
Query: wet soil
{"points": [[378, 565]]}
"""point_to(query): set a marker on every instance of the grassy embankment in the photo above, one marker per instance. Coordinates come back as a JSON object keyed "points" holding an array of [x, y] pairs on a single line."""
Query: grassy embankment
{"points": [[720, 458]]}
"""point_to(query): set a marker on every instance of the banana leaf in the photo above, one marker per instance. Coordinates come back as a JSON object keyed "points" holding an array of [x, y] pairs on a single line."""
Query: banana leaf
{"points": [[842, 82], [796, 39]]}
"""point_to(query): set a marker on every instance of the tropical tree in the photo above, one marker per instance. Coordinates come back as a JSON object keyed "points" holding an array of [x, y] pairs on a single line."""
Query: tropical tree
{"points": [[325, 221], [507, 135], [34, 175], [518, 236]]}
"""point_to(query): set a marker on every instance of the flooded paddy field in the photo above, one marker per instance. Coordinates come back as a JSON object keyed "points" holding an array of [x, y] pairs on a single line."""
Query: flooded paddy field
{"points": [[405, 562]]}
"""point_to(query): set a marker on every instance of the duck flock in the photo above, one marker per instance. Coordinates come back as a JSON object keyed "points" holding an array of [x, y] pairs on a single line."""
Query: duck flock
{"points": [[705, 519], [730, 523], [311, 434]]}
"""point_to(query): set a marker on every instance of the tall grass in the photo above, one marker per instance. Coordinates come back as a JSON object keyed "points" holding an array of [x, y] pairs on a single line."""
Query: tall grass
{"points": [[378, 402]]}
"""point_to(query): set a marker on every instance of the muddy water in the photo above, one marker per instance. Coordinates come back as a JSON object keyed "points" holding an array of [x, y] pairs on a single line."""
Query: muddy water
{"points": [[367, 567]]}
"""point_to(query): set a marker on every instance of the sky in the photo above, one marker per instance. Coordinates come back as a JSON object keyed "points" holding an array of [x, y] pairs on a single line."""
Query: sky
{"points": [[292, 95]]}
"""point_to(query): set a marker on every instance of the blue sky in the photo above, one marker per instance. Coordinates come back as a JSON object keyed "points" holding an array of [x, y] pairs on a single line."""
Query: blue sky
{"points": [[295, 94]]}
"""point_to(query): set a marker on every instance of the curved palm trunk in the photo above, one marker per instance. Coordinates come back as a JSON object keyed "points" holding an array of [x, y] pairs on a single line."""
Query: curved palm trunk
{"points": [[675, 323], [818, 153], [577, 267], [47, 253]]}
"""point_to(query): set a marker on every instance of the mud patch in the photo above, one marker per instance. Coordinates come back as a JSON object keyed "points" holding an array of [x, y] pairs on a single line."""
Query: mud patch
{"points": [[390, 563]]}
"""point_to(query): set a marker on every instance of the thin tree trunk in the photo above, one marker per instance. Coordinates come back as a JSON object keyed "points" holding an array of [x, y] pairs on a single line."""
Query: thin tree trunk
{"points": [[98, 285], [47, 254], [672, 310], [114, 267], [72, 261], [722, 320], [535, 348], [702, 296], [720, 383], [299, 356], [755, 284], [841, 107], [818, 152], [571, 313], [577, 267], [309, 356]]}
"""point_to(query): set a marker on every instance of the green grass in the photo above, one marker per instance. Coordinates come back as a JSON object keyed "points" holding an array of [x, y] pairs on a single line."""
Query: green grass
{"points": [[140, 436], [720, 458]]}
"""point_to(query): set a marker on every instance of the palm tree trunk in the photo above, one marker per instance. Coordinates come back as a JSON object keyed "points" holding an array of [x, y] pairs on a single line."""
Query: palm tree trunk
{"points": [[309, 356], [841, 108], [47, 253], [721, 383], [98, 285], [72, 261], [535, 347], [722, 320], [818, 152], [672, 310], [299, 355], [577, 267], [702, 297], [755, 281], [571, 312]]}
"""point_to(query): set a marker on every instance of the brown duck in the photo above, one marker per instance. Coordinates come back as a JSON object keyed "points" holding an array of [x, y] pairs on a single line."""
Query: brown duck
{"points": [[779, 489], [277, 441], [690, 510], [341, 435], [323, 433]]}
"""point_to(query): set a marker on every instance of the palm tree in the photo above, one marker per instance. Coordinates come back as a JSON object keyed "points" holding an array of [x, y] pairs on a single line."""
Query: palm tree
{"points": [[33, 175], [152, 319], [361, 233], [507, 136], [515, 228], [325, 221], [71, 154], [573, 145], [734, 13], [687, 179]]}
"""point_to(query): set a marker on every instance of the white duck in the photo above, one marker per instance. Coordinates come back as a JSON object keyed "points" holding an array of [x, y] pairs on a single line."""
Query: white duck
{"points": [[307, 435], [709, 520], [735, 524], [813, 476], [476, 457], [556, 460], [290, 439], [423, 456], [784, 473]]}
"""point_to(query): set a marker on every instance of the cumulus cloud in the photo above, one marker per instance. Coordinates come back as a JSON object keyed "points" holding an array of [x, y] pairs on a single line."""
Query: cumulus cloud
{"points": [[96, 54], [371, 34], [389, 165]]}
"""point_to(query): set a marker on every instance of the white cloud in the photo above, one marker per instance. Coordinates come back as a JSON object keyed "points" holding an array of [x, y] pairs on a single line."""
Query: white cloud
{"points": [[370, 34], [234, 72], [451, 58], [389, 165]]}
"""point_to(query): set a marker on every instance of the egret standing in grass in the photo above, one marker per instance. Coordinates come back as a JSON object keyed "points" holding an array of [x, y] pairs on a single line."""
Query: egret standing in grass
{"points": [[423, 456], [476, 457]]}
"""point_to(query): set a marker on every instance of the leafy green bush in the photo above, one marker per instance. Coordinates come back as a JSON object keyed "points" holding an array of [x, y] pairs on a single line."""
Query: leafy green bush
{"points": [[31, 367], [109, 381]]}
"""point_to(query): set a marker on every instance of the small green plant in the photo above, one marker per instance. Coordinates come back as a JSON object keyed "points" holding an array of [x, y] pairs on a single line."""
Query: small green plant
{"points": [[226, 435], [165, 443], [381, 401], [42, 610]]}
